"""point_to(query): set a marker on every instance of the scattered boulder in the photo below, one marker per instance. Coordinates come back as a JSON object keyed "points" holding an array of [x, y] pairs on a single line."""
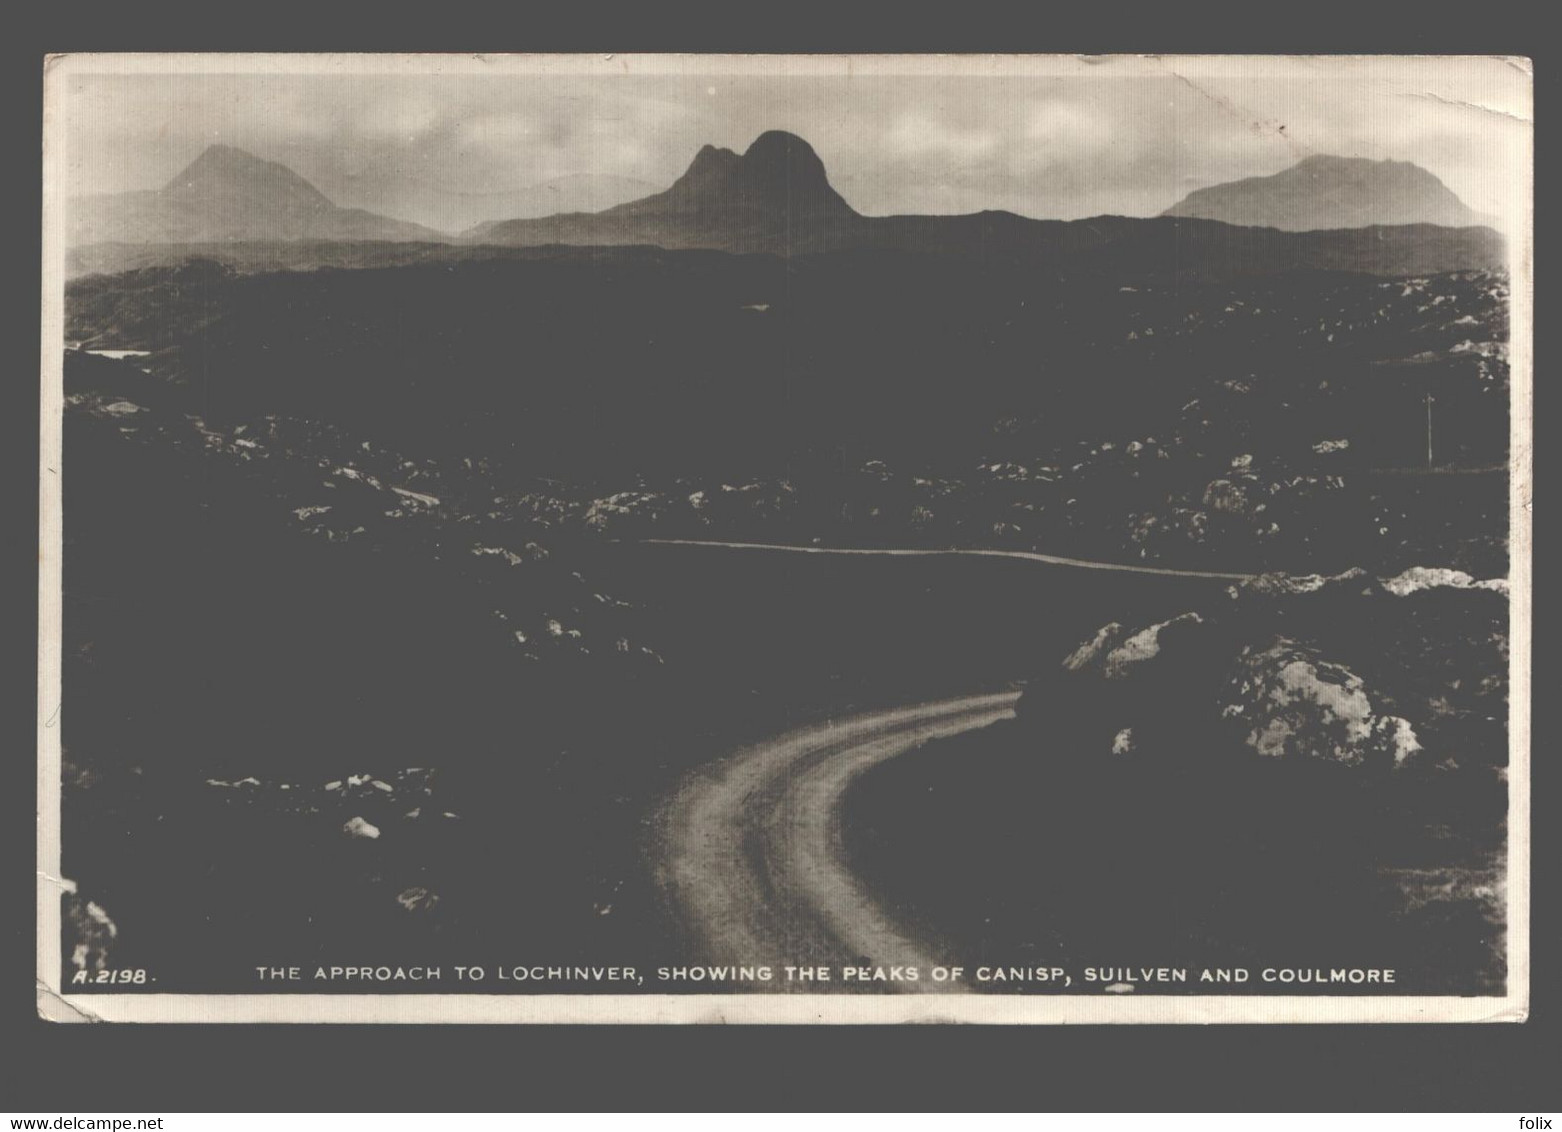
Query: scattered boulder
{"points": [[1091, 653], [1289, 585], [1419, 578], [357, 827], [418, 899], [1126, 691], [1147, 644], [626, 512], [1240, 495], [1293, 704], [92, 931]]}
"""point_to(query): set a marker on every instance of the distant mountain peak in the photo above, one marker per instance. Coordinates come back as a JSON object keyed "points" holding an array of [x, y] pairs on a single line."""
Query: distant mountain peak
{"points": [[1325, 190], [788, 163], [226, 168], [779, 175], [773, 144], [714, 155], [712, 166], [227, 195]]}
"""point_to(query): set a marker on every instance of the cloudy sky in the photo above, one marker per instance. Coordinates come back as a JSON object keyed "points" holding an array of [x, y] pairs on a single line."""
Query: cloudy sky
{"points": [[1059, 138]]}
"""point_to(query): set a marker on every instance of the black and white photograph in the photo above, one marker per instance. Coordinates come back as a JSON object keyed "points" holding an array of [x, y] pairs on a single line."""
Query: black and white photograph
{"points": [[785, 539]]}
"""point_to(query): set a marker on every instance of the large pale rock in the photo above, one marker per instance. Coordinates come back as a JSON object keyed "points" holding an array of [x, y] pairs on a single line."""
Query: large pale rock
{"points": [[1296, 705], [1146, 645], [1092, 652], [1420, 578], [357, 827]]}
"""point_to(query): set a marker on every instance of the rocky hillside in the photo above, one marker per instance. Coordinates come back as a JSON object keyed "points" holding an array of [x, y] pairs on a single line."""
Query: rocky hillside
{"points": [[1309, 772]]}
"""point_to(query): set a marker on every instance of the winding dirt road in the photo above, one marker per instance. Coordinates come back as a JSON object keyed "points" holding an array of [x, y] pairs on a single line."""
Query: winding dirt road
{"points": [[751, 853]]}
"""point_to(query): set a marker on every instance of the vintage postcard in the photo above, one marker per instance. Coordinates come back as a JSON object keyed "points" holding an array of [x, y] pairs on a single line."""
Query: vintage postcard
{"points": [[785, 539]]}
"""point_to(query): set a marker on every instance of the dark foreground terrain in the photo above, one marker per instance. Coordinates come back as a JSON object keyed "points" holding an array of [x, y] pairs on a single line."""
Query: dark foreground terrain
{"points": [[254, 697], [365, 662], [1302, 780]]}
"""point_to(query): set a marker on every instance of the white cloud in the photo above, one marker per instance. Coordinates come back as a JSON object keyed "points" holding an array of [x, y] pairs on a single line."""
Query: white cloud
{"points": [[1075, 126], [919, 135]]}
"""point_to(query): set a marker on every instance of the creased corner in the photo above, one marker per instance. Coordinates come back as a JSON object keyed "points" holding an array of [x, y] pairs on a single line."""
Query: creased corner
{"points": [[1518, 1013], [53, 1008], [1495, 111]]}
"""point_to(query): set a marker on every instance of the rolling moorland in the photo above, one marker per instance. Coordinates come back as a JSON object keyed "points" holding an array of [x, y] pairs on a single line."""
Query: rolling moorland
{"points": [[357, 597], [1275, 425]]}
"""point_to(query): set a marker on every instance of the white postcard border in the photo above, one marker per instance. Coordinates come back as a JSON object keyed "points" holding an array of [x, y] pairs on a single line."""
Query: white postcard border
{"points": [[58, 1004]]}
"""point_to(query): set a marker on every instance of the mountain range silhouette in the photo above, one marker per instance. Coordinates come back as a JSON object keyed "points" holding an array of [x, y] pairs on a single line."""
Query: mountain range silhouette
{"points": [[776, 198]]}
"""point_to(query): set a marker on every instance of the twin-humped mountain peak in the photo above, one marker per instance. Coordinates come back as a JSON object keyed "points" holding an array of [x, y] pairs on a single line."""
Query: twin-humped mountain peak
{"points": [[779, 173]]}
